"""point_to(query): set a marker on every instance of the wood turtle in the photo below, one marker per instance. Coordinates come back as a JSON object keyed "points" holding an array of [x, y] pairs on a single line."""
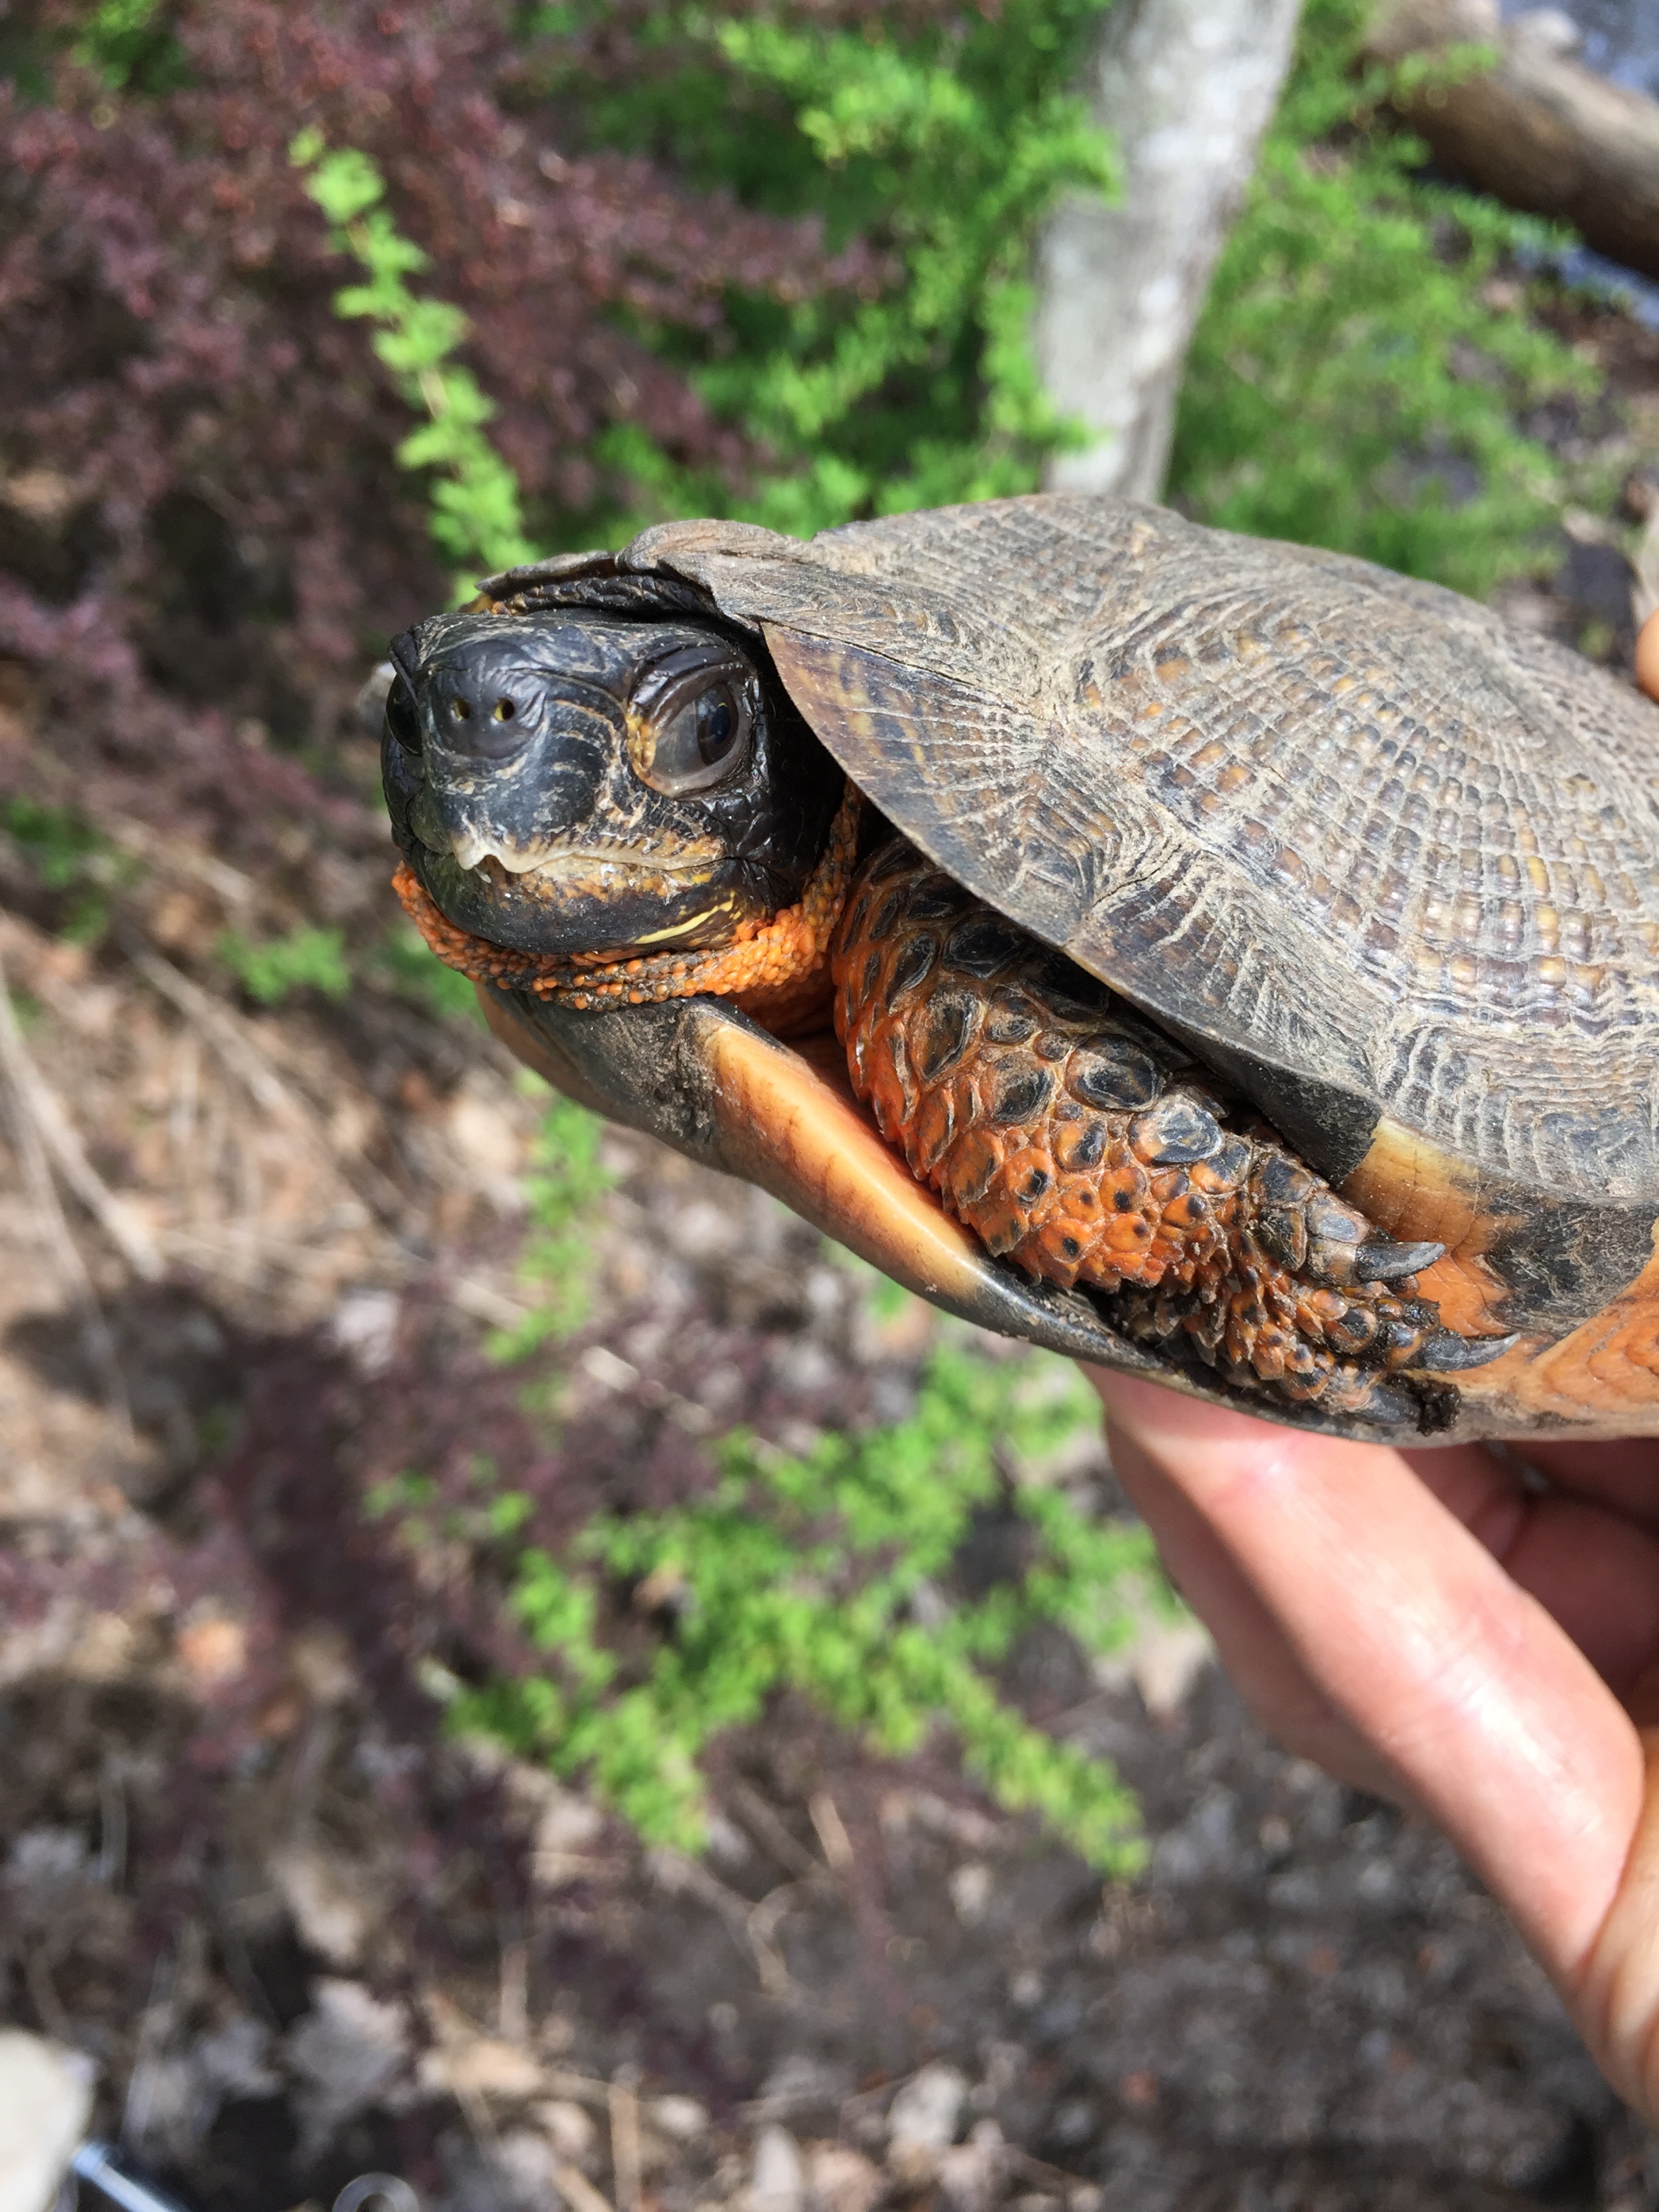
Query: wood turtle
{"points": [[1245, 960]]}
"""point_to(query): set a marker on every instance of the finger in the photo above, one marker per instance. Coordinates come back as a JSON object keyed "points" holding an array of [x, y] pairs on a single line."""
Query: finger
{"points": [[1259, 1660], [1593, 1571], [1490, 1717], [1622, 1474]]}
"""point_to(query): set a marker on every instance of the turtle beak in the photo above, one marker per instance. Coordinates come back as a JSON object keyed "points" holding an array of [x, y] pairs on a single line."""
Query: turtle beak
{"points": [[705, 1079]]}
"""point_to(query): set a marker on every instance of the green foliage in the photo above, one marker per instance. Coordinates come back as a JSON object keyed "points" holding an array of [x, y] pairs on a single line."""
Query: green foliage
{"points": [[819, 1574], [565, 1183], [68, 856], [128, 46], [58, 843], [941, 147], [474, 516], [305, 960], [423, 1518], [407, 965], [312, 959], [1349, 384]]}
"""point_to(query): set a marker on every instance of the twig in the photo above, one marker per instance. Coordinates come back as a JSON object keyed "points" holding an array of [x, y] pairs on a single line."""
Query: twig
{"points": [[233, 1948], [43, 1995], [483, 1303], [52, 1230], [202, 1011], [226, 1034], [154, 2024], [750, 1925], [763, 1824], [578, 2088], [831, 1830], [169, 858], [306, 1768], [113, 1824], [779, 2105], [186, 1096], [452, 2028], [512, 2001], [1040, 2170], [625, 2143], [241, 1260], [39, 1104], [252, 1256], [577, 2190], [762, 1924]]}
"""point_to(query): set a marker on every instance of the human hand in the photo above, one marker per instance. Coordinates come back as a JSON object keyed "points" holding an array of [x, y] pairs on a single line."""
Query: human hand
{"points": [[1422, 1625]]}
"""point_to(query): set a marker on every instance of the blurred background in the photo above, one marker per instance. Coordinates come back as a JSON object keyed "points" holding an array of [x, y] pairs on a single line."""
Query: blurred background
{"points": [[520, 1668]]}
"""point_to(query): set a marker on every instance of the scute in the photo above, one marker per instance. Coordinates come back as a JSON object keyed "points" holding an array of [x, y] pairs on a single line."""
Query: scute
{"points": [[1343, 824]]}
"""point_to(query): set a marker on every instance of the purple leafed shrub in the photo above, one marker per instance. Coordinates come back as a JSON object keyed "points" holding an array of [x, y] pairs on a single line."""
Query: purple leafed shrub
{"points": [[204, 536]]}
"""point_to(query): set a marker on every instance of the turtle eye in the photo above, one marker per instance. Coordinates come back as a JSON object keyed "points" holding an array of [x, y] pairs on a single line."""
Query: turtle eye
{"points": [[691, 724], [402, 720]]}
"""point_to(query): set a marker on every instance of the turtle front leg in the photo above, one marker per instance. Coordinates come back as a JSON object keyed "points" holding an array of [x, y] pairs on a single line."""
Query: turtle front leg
{"points": [[1079, 1143]]}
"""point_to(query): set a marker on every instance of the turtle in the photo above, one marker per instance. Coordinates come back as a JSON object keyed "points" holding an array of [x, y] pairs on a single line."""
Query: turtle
{"points": [[1216, 958]]}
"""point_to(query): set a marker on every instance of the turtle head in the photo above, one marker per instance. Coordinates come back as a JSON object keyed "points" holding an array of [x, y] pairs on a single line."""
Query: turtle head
{"points": [[579, 781]]}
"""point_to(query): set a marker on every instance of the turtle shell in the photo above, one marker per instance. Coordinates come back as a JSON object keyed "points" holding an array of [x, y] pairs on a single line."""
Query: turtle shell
{"points": [[1380, 856]]}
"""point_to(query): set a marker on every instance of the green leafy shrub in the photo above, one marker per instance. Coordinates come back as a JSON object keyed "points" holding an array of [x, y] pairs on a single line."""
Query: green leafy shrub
{"points": [[474, 511], [68, 857], [306, 959], [123, 42], [58, 843], [941, 145], [407, 964], [820, 1574], [1350, 384], [564, 1185]]}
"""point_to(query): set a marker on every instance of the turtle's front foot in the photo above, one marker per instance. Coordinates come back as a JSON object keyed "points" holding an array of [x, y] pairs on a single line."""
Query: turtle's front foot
{"points": [[1078, 1142]]}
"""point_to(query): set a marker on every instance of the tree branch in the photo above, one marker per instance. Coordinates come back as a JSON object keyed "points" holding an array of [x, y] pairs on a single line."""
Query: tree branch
{"points": [[1539, 131]]}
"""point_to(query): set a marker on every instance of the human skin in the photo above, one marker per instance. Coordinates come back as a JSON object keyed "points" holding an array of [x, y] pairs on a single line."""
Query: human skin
{"points": [[1445, 1631]]}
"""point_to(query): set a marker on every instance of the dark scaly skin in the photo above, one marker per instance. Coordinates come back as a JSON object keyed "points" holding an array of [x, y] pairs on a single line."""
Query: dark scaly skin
{"points": [[1080, 1143]]}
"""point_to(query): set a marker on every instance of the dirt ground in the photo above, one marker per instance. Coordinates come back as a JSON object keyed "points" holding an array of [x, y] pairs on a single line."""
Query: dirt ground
{"points": [[249, 1259]]}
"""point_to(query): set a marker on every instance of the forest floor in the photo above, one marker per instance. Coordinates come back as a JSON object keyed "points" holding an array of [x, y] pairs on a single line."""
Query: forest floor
{"points": [[249, 1260]]}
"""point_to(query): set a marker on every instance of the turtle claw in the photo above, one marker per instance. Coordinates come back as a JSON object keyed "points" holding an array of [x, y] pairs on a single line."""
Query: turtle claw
{"points": [[1390, 1403], [1447, 1353], [1380, 1260]]}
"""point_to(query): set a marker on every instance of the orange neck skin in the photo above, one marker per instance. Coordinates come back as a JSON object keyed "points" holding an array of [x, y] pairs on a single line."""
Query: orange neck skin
{"points": [[776, 970]]}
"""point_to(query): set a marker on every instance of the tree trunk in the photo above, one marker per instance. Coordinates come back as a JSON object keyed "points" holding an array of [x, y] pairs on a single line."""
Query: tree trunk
{"points": [[1540, 131], [1187, 88]]}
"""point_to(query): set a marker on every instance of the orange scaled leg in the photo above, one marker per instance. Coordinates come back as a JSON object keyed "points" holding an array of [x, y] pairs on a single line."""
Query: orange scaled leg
{"points": [[1078, 1143]]}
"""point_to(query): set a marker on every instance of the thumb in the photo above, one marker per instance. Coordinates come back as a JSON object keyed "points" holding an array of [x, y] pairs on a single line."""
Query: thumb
{"points": [[1492, 1718], [1615, 1993]]}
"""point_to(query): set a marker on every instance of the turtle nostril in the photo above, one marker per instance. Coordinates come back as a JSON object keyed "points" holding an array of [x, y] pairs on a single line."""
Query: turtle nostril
{"points": [[486, 703]]}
